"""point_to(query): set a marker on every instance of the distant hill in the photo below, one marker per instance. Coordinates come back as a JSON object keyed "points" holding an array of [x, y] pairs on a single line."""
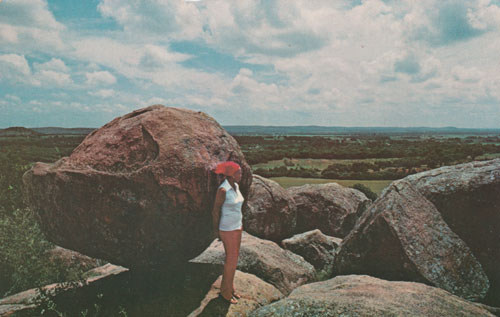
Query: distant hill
{"points": [[57, 130], [18, 131], [322, 130], [275, 130]]}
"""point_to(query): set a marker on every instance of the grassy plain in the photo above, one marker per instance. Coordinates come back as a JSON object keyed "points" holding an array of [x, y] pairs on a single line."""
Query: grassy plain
{"points": [[319, 163], [375, 185]]}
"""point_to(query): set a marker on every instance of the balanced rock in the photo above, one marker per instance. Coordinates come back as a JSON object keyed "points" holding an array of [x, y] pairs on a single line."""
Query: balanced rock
{"points": [[362, 295], [138, 191], [270, 212], [330, 207], [315, 247], [254, 292], [468, 197], [403, 237], [282, 268]]}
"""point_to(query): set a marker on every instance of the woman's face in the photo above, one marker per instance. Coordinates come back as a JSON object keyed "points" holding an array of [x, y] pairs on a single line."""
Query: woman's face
{"points": [[237, 175]]}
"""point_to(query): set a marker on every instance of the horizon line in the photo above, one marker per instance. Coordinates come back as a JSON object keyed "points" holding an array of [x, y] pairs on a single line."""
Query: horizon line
{"points": [[291, 126]]}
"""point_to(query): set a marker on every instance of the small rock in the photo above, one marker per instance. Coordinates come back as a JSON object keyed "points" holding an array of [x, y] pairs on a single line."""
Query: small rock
{"points": [[315, 247]]}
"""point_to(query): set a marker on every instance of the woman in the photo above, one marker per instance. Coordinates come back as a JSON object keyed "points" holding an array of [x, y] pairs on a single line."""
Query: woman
{"points": [[227, 222]]}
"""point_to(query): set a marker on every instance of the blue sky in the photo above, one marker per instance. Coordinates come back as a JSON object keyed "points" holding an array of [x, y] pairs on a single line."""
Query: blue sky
{"points": [[331, 63]]}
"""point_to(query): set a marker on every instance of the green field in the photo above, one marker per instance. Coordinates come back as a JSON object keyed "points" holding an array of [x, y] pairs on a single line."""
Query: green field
{"points": [[317, 163], [489, 156], [376, 185]]}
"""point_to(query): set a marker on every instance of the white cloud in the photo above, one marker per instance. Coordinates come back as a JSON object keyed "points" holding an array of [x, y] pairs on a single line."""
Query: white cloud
{"points": [[466, 75], [103, 93], [53, 78], [15, 68], [28, 25], [154, 63], [155, 57], [18, 63], [155, 101], [8, 34], [13, 98], [100, 77], [156, 18], [55, 64]]}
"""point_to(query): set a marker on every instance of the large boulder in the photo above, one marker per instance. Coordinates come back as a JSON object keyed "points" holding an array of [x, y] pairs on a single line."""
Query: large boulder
{"points": [[270, 212], [138, 191], [255, 293], [403, 237], [362, 295], [330, 207], [315, 247], [265, 259], [468, 197]]}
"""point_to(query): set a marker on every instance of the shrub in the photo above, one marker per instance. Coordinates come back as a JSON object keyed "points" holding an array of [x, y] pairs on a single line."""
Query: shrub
{"points": [[365, 190]]}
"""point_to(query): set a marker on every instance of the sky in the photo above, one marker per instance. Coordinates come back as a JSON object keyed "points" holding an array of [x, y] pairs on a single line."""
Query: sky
{"points": [[403, 63]]}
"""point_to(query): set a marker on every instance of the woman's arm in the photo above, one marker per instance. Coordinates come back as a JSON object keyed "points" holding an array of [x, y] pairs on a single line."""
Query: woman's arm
{"points": [[219, 201]]}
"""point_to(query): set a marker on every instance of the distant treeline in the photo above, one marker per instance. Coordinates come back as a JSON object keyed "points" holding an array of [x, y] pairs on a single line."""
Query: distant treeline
{"points": [[258, 149], [408, 155], [323, 130]]}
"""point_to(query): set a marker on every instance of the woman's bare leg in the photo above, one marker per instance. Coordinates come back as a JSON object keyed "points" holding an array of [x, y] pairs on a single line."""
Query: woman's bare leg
{"points": [[230, 242], [238, 244]]}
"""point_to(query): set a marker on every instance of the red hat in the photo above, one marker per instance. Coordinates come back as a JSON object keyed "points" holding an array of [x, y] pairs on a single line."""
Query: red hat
{"points": [[227, 168]]}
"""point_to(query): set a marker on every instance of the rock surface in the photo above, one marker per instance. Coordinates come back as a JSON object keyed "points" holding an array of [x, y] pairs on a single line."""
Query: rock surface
{"points": [[26, 300], [69, 258], [315, 247], [330, 207], [361, 295], [138, 191], [265, 259], [270, 212], [403, 237], [468, 198], [254, 292]]}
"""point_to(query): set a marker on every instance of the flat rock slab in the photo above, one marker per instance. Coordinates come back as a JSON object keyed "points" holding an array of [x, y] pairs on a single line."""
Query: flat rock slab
{"points": [[403, 237], [362, 295], [254, 292], [265, 259], [26, 300], [139, 190], [330, 207]]}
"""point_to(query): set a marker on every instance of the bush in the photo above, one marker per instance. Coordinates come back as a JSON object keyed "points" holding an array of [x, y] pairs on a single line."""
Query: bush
{"points": [[21, 247], [24, 258], [365, 190]]}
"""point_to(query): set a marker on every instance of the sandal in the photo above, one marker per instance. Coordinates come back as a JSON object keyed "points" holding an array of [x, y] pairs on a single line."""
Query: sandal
{"points": [[236, 295], [229, 301]]}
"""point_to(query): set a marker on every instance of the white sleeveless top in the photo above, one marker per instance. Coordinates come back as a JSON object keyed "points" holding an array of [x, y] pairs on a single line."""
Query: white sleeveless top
{"points": [[231, 216]]}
